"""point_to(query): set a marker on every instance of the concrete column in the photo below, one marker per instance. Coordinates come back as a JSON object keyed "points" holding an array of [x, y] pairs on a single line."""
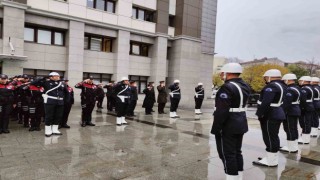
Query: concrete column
{"points": [[159, 60], [13, 28], [185, 65], [75, 51], [122, 56]]}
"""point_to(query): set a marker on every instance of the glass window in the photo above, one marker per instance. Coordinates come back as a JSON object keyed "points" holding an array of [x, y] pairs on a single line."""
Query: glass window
{"points": [[134, 13], [90, 3], [58, 38], [149, 16], [0, 34], [86, 42], [171, 21], [95, 44], [143, 85], [110, 6], [44, 36], [101, 4], [107, 45], [144, 50], [141, 14], [29, 34], [135, 49]]}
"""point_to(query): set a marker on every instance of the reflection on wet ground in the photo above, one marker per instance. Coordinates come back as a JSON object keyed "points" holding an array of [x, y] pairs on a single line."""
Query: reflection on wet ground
{"points": [[150, 147]]}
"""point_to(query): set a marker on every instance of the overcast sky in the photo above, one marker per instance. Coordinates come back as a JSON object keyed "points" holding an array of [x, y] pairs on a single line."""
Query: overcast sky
{"points": [[287, 29]]}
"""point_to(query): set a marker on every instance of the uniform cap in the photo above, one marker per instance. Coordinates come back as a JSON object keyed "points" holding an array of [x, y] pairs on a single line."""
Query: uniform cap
{"points": [[200, 84], [231, 68], [91, 77], [315, 79], [25, 76], [305, 78], [124, 79], [3, 76], [272, 73], [161, 81], [54, 74], [289, 77], [176, 81]]}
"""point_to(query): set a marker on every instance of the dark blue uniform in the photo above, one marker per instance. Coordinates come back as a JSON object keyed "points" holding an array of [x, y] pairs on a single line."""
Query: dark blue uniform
{"points": [[122, 94], [230, 123], [133, 100], [7, 99], [293, 112], [199, 96], [316, 103], [271, 113], [307, 109], [175, 97]]}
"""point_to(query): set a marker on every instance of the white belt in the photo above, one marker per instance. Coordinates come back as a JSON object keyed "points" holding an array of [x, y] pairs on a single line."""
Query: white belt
{"points": [[295, 102], [272, 104], [316, 99], [310, 100], [123, 96], [259, 102], [238, 110], [53, 97]]}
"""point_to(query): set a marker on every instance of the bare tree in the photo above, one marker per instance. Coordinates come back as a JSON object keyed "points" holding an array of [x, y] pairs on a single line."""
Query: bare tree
{"points": [[312, 65]]}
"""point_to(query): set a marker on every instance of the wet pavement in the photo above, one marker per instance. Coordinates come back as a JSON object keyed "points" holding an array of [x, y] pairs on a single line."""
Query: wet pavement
{"points": [[150, 147]]}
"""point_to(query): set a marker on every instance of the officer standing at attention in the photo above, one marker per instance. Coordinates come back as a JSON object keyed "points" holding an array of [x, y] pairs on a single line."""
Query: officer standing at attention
{"points": [[293, 112], [67, 106], [307, 109], [88, 100], [100, 97], [122, 92], [271, 114], [149, 99], [133, 98], [316, 102], [198, 98], [7, 102], [110, 97], [55, 93], [162, 97], [175, 96], [230, 121]]}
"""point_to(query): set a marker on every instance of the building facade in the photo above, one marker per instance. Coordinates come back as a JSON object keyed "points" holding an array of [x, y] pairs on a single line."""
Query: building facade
{"points": [[146, 40]]}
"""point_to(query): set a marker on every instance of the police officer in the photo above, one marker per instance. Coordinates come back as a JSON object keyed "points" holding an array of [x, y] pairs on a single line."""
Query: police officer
{"points": [[175, 96], [230, 121], [293, 112], [67, 106], [110, 96], [23, 98], [122, 92], [198, 98], [55, 93], [88, 100], [100, 97], [162, 97], [149, 99], [133, 98], [316, 102], [271, 114], [36, 106], [7, 102]]}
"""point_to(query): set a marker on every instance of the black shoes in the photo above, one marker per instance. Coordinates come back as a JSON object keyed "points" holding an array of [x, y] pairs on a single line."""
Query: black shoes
{"points": [[65, 126], [83, 124], [6, 131], [32, 129], [90, 124]]}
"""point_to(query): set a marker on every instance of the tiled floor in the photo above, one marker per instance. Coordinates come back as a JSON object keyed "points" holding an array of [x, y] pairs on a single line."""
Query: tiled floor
{"points": [[153, 147]]}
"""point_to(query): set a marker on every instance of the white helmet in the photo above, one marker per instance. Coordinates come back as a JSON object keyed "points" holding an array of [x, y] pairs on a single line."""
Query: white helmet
{"points": [[272, 73], [54, 74], [315, 79], [200, 84], [305, 78], [124, 79], [176, 81], [231, 68], [289, 77]]}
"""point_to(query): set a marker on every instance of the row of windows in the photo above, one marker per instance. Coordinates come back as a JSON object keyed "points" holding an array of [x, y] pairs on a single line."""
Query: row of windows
{"points": [[44, 36], [142, 14], [104, 5], [97, 43]]}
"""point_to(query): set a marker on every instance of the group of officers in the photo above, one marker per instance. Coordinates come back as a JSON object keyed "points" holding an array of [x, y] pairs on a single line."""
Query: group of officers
{"points": [[284, 99], [52, 98]]}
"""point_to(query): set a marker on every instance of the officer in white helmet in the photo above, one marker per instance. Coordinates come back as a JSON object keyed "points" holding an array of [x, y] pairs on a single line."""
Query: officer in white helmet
{"points": [[122, 92], [230, 121], [307, 109], [271, 114], [198, 98], [293, 112], [175, 96], [316, 102]]}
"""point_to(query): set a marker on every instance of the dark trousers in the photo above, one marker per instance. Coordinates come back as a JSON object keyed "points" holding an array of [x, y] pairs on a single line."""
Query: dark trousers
{"points": [[270, 133], [315, 120], [198, 103], [305, 121], [53, 114], [36, 112], [25, 113], [5, 110], [66, 112], [100, 102], [174, 104], [19, 111], [161, 107], [148, 109], [132, 105], [110, 103], [290, 126], [122, 108], [87, 108], [229, 150]]}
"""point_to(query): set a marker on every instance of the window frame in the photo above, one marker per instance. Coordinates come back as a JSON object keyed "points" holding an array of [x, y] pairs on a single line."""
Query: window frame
{"points": [[35, 72], [1, 28], [52, 36], [141, 45], [101, 78], [102, 42], [146, 13], [105, 8]]}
